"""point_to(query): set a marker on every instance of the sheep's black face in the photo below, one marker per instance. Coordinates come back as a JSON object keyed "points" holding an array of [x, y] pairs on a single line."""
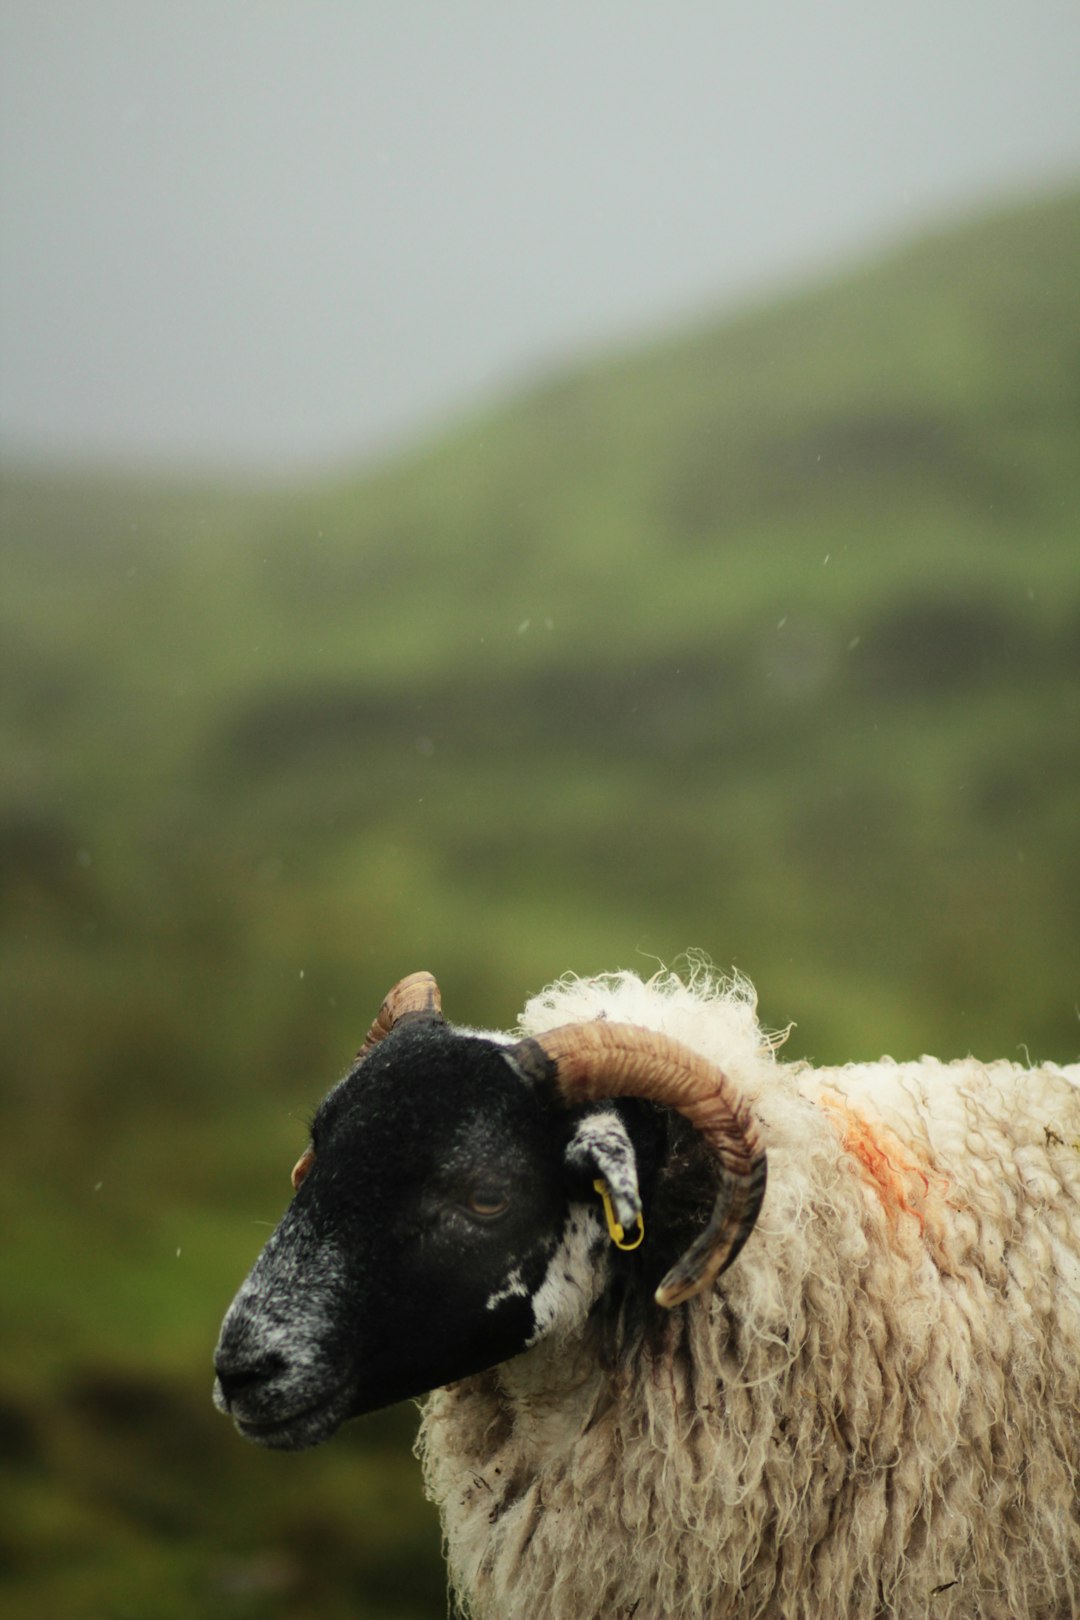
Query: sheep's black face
{"points": [[418, 1249]]}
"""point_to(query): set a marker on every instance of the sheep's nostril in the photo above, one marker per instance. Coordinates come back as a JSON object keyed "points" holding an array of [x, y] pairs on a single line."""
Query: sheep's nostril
{"points": [[239, 1377]]}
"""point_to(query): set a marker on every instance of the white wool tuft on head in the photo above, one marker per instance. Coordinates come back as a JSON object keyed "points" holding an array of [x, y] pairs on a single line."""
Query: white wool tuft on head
{"points": [[713, 1013]]}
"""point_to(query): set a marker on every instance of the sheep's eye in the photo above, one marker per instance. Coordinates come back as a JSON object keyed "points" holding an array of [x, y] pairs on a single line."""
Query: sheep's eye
{"points": [[487, 1203], [302, 1166]]}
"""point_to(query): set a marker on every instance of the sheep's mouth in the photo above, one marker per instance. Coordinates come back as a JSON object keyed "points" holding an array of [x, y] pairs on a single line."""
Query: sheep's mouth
{"points": [[295, 1432]]}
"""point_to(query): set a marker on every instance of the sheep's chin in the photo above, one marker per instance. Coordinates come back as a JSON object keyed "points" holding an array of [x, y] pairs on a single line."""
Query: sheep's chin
{"points": [[297, 1432]]}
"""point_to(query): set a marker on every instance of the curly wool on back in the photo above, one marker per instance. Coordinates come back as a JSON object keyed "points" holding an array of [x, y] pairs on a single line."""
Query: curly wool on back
{"points": [[875, 1413]]}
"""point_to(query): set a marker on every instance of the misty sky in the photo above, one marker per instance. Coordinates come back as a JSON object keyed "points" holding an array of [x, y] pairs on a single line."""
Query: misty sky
{"points": [[289, 234]]}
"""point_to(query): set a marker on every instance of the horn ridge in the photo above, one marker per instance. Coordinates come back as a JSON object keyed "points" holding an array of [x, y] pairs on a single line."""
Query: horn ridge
{"points": [[583, 1063], [416, 996]]}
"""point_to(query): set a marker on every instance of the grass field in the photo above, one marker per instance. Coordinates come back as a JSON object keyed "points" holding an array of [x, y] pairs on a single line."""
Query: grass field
{"points": [[763, 641]]}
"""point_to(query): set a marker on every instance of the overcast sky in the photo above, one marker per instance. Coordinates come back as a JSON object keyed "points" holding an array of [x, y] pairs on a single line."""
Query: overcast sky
{"points": [[290, 234]]}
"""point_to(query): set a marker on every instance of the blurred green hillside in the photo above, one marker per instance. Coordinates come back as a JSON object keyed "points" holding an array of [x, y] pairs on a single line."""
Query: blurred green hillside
{"points": [[764, 641]]}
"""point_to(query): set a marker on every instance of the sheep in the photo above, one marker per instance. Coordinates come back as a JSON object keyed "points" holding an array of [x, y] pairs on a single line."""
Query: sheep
{"points": [[662, 1387]]}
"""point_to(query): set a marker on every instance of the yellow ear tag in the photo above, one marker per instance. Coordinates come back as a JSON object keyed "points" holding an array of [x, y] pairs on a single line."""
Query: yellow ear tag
{"points": [[615, 1231]]}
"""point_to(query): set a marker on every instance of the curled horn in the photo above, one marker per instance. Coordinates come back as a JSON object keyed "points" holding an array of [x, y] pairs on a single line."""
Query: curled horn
{"points": [[587, 1062], [415, 997]]}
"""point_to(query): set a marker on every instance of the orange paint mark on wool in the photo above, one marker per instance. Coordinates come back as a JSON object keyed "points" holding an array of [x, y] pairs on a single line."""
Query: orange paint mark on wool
{"points": [[899, 1181]]}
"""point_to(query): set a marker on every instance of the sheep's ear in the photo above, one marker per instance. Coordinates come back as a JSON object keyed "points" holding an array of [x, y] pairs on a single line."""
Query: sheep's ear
{"points": [[601, 1146]]}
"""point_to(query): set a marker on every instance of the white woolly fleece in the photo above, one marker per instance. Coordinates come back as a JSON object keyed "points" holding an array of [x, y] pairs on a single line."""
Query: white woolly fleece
{"points": [[876, 1412]]}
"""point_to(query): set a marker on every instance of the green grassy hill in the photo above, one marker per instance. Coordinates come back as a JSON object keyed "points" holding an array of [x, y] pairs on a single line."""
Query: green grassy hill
{"points": [[764, 641]]}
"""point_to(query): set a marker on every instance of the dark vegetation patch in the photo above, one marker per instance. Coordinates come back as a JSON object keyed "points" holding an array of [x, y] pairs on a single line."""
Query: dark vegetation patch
{"points": [[932, 644]]}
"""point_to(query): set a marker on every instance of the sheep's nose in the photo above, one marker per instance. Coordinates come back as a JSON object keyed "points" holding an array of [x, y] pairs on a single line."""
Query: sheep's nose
{"points": [[239, 1375]]}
